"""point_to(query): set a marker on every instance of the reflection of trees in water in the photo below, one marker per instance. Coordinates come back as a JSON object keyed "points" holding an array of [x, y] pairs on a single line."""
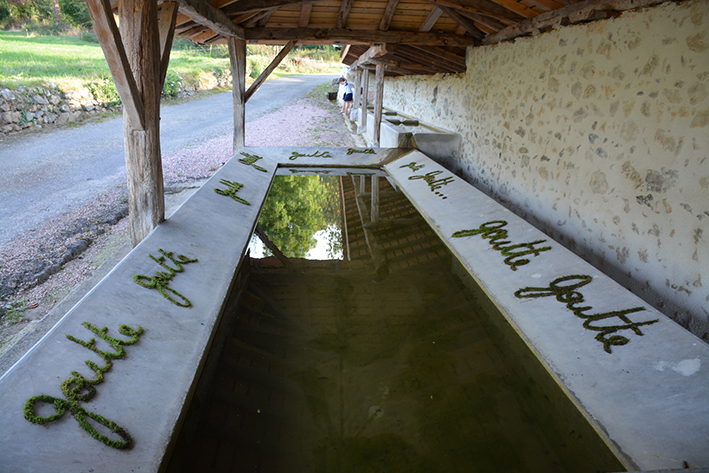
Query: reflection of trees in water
{"points": [[296, 208]]}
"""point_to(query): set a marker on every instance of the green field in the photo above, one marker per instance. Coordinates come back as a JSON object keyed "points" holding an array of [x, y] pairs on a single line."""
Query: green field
{"points": [[70, 62]]}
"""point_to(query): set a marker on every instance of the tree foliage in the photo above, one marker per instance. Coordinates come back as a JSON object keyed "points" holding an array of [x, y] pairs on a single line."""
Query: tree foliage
{"points": [[296, 208], [25, 13]]}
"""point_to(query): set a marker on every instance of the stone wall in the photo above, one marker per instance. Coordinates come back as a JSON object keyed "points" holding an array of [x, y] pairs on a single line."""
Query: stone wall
{"points": [[33, 108], [598, 134]]}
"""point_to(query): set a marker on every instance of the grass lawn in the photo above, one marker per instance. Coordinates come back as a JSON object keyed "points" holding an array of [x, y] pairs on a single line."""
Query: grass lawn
{"points": [[70, 62]]}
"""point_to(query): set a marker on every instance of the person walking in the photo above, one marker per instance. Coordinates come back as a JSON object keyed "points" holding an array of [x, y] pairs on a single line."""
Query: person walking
{"points": [[347, 97]]}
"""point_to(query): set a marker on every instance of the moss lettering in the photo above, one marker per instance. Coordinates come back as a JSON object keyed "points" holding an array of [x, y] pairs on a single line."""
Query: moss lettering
{"points": [[318, 154], [565, 291], [250, 160], [231, 190], [77, 388], [161, 279], [364, 151], [495, 232]]}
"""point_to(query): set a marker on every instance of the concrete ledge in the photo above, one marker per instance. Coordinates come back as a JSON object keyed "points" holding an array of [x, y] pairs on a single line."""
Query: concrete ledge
{"points": [[647, 395], [144, 392]]}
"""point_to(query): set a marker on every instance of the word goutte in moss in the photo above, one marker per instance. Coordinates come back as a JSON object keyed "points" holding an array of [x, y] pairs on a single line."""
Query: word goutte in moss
{"points": [[317, 154], [231, 190], [161, 279], [78, 388], [250, 160], [494, 232], [363, 151], [430, 178], [568, 294]]}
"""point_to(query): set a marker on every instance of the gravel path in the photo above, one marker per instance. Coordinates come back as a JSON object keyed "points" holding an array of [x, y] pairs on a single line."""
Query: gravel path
{"points": [[43, 265]]}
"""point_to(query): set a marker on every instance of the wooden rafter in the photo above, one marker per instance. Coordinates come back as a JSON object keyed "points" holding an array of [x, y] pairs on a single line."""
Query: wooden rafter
{"points": [[491, 23], [388, 15], [487, 7], [567, 15], [373, 52], [205, 14], [431, 20], [246, 6], [304, 19], [465, 23], [364, 36], [344, 13], [264, 75]]}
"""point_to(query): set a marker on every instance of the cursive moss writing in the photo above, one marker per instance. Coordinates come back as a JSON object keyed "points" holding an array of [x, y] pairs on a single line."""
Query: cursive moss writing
{"points": [[78, 388], [565, 291], [363, 151], [430, 178], [318, 154], [495, 232], [232, 188], [161, 279], [250, 160]]}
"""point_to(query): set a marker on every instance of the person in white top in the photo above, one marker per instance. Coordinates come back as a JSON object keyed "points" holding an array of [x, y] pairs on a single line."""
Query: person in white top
{"points": [[347, 98]]}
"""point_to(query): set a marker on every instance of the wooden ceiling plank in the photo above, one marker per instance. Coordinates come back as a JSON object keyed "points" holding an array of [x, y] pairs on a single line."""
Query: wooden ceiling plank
{"points": [[350, 35], [304, 19], [463, 22], [430, 20], [344, 13], [205, 14], [413, 66], [439, 54], [388, 15], [570, 14]]}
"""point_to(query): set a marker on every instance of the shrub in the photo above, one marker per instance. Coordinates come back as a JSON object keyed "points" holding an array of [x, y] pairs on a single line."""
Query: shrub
{"points": [[172, 86], [104, 91]]}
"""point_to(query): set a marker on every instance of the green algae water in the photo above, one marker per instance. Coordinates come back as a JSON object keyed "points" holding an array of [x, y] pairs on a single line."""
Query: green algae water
{"points": [[389, 360]]}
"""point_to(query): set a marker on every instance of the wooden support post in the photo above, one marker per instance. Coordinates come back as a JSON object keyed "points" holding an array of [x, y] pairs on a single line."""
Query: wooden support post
{"points": [[267, 72], [358, 86], [141, 40], [378, 102], [365, 98], [375, 199], [237, 60]]}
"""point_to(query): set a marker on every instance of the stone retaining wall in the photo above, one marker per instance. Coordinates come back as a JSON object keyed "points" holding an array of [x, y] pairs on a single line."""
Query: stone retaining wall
{"points": [[33, 108]]}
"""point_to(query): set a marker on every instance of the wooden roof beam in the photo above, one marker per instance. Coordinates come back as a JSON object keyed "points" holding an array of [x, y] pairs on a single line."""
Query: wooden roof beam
{"points": [[373, 52], [491, 23], [430, 20], [486, 7], [304, 19], [247, 6], [463, 22], [388, 15], [205, 14], [364, 36], [344, 13], [570, 14]]}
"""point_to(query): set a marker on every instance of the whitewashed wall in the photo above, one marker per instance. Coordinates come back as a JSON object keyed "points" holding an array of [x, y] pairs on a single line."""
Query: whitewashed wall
{"points": [[599, 135]]}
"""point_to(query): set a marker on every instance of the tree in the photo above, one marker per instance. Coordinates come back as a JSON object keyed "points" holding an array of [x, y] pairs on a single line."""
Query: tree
{"points": [[296, 208]]}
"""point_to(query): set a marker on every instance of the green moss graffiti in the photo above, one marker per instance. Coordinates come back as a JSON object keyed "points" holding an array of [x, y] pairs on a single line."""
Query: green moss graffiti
{"points": [[363, 151], [161, 279], [317, 154], [250, 160], [495, 232], [77, 388], [430, 178], [231, 190], [568, 294]]}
